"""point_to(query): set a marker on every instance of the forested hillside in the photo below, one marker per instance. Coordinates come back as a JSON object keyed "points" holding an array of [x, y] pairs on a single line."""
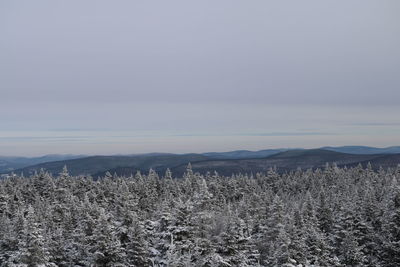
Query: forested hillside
{"points": [[225, 163], [326, 217]]}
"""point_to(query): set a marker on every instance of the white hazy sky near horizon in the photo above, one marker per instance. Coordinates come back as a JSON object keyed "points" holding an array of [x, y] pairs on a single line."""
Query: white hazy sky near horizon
{"points": [[108, 77]]}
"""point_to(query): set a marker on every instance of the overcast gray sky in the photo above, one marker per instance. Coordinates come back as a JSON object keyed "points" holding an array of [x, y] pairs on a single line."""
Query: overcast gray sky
{"points": [[106, 77]]}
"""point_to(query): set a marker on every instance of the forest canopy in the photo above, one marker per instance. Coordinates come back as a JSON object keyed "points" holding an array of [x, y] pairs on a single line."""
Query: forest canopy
{"points": [[325, 217]]}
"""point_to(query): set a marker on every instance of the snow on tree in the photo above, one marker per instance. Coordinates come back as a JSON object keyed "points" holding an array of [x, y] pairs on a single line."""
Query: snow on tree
{"points": [[32, 245], [105, 245], [327, 217]]}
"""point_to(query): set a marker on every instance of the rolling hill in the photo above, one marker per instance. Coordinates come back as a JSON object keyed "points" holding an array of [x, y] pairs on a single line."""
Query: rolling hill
{"points": [[285, 161], [8, 164], [97, 164], [243, 154], [364, 149], [223, 162]]}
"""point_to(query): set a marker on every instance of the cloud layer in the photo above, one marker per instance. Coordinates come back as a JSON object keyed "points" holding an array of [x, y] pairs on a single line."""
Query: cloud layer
{"points": [[201, 69]]}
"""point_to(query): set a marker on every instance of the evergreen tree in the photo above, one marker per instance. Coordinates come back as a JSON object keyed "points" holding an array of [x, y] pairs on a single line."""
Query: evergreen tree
{"points": [[391, 242], [137, 249], [32, 246], [330, 217], [106, 247]]}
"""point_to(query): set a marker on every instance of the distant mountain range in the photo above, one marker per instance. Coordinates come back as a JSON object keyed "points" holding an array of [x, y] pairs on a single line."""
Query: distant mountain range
{"points": [[364, 149], [223, 162], [292, 160], [8, 164], [243, 154], [98, 164]]}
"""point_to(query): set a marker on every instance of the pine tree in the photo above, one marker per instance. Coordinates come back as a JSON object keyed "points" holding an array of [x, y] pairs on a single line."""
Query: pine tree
{"points": [[43, 184], [391, 227], [350, 252], [324, 214], [64, 174], [274, 227], [281, 252], [168, 174], [33, 247], [8, 240], [234, 245], [137, 250], [106, 247]]}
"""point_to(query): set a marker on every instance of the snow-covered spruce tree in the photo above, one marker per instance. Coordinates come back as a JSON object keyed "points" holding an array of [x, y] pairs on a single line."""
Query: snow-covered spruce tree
{"points": [[348, 234], [105, 245], [8, 240], [324, 213], [162, 248], [137, 249], [295, 230], [43, 184], [275, 225], [350, 251], [391, 229], [281, 255], [233, 245], [33, 248], [64, 174], [317, 248]]}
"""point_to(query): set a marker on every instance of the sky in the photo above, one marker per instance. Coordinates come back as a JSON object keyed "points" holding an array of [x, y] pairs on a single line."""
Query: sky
{"points": [[124, 77]]}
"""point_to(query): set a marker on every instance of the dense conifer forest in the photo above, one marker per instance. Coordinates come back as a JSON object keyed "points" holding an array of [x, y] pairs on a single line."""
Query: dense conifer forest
{"points": [[325, 217]]}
